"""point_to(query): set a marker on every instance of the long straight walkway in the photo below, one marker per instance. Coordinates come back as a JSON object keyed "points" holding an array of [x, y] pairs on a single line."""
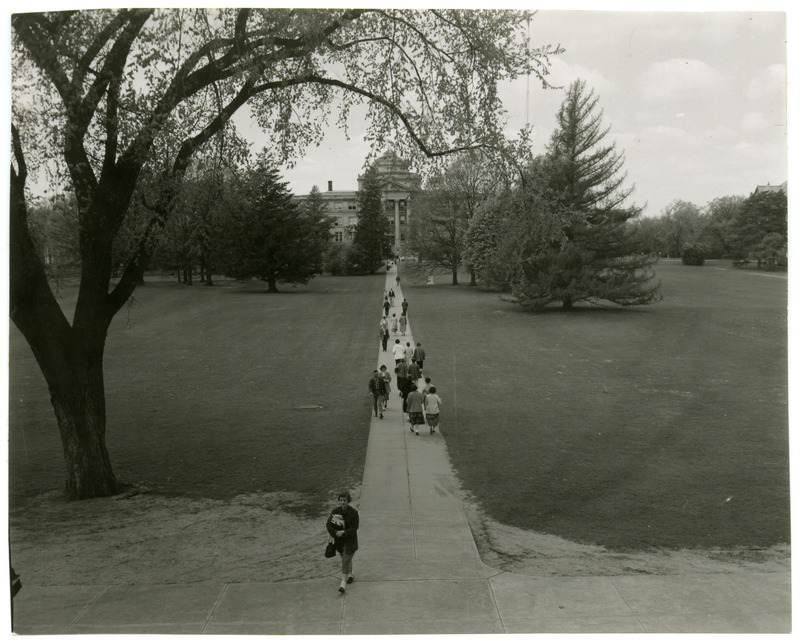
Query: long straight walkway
{"points": [[418, 571]]}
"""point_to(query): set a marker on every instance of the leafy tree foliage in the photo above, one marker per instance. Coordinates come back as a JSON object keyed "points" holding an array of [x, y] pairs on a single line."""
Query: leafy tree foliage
{"points": [[112, 98], [272, 238], [681, 225], [761, 228], [445, 209], [719, 231], [580, 183], [370, 247]]}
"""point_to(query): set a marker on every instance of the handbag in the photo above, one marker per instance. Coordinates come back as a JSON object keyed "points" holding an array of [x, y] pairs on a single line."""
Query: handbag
{"points": [[330, 549]]}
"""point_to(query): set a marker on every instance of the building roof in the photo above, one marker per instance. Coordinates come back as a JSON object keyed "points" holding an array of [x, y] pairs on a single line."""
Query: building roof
{"points": [[783, 187]]}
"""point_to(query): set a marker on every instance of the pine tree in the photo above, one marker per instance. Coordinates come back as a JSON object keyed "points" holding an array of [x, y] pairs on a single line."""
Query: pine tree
{"points": [[370, 241], [595, 256], [271, 238]]}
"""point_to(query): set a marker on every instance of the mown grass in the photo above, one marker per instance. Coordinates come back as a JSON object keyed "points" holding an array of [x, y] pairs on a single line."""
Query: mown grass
{"points": [[665, 425], [656, 426], [205, 389]]}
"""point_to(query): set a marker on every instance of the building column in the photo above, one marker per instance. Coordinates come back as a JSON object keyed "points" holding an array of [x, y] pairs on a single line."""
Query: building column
{"points": [[397, 224]]}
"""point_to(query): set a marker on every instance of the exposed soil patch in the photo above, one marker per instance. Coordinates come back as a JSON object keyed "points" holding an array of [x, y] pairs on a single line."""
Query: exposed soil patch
{"points": [[148, 538], [516, 550]]}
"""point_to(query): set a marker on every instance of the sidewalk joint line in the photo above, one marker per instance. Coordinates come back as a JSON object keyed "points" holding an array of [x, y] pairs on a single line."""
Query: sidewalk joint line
{"points": [[85, 608], [214, 607]]}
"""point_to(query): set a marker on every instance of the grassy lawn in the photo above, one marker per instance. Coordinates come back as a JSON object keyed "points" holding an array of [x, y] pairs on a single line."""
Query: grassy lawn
{"points": [[206, 387], [656, 426], [665, 425]]}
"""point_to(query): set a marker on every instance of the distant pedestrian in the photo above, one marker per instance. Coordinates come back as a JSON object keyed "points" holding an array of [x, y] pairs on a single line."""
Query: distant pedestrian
{"points": [[342, 526], [398, 351], [427, 387], [404, 305], [386, 306], [384, 336], [397, 280], [408, 353], [376, 387], [394, 323], [403, 321], [391, 296], [403, 382], [414, 372], [414, 408], [387, 385], [419, 355], [432, 402]]}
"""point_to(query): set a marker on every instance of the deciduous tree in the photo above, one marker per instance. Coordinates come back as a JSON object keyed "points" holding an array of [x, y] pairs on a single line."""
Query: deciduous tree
{"points": [[445, 209], [96, 92]]}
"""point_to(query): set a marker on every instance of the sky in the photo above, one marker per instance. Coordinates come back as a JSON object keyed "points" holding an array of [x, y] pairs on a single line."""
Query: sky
{"points": [[696, 101]]}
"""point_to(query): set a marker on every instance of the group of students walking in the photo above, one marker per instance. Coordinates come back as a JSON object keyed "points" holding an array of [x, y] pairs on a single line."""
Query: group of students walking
{"points": [[421, 403], [420, 400]]}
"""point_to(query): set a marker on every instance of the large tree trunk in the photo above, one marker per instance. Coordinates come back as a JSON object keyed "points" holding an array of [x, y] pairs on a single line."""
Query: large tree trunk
{"points": [[70, 356], [455, 276], [273, 284], [78, 399], [472, 278]]}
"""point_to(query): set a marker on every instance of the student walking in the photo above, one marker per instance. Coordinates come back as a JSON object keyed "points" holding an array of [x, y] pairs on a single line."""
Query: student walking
{"points": [[404, 305], [431, 403], [342, 526], [384, 336], [408, 353], [419, 355], [398, 351], [414, 372], [387, 385], [414, 407], [386, 305], [403, 324], [403, 382], [391, 296], [394, 323], [375, 387]]}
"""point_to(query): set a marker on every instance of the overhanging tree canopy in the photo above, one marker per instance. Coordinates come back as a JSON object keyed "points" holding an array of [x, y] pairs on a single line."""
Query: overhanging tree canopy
{"points": [[95, 92]]}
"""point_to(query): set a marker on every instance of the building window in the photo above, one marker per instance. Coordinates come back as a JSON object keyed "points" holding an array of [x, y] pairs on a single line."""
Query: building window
{"points": [[402, 218], [351, 206], [338, 236]]}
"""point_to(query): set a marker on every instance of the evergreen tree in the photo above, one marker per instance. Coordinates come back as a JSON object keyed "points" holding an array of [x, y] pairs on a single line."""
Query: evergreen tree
{"points": [[761, 228], [370, 241], [270, 237], [595, 255]]}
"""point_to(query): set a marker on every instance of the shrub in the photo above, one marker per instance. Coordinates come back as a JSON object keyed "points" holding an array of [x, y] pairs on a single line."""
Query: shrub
{"points": [[694, 254], [336, 259]]}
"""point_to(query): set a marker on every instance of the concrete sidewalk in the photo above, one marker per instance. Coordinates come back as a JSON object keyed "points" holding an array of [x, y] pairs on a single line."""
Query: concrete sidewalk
{"points": [[417, 571]]}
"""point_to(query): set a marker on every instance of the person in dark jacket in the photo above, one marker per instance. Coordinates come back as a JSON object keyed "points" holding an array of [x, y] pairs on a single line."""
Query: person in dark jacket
{"points": [[342, 525], [376, 389]]}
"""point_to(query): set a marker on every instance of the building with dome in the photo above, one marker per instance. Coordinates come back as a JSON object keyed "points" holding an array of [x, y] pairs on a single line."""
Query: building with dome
{"points": [[399, 183]]}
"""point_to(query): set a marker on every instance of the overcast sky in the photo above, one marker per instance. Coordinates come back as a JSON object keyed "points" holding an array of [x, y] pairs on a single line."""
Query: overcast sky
{"points": [[695, 101]]}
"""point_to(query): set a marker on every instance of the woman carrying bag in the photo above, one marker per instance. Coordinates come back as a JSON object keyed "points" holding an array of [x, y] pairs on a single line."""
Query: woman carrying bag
{"points": [[342, 525]]}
